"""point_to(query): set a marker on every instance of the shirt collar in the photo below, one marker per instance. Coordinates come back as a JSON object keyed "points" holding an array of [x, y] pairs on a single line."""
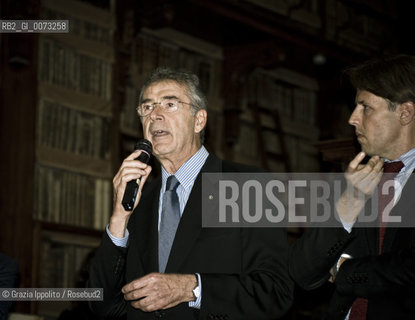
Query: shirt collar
{"points": [[188, 172], [408, 160]]}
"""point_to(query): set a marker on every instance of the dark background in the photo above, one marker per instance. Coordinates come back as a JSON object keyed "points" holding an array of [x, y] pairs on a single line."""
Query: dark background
{"points": [[316, 38]]}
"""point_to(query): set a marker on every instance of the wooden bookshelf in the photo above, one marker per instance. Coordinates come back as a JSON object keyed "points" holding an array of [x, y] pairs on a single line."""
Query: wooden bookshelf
{"points": [[337, 153], [62, 253], [278, 122], [73, 151], [68, 118], [57, 127], [75, 100]]}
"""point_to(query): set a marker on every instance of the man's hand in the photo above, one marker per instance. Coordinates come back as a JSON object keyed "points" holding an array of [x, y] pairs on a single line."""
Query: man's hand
{"points": [[362, 180], [333, 272], [130, 169], [157, 291]]}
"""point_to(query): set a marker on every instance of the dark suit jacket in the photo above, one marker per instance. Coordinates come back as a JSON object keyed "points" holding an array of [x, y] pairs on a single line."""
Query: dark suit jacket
{"points": [[9, 272], [386, 280], [244, 271]]}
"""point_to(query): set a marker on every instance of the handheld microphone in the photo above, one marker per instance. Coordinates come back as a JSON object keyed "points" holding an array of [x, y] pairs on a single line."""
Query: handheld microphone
{"points": [[131, 189]]}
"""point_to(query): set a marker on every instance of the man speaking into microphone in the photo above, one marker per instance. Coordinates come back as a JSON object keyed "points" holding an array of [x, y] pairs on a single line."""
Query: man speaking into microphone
{"points": [[156, 261]]}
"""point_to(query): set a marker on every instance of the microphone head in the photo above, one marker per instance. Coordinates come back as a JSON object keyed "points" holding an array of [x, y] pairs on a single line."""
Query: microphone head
{"points": [[131, 189], [144, 145]]}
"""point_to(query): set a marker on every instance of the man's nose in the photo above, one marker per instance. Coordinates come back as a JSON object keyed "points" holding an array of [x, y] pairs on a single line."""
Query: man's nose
{"points": [[156, 112], [355, 117]]}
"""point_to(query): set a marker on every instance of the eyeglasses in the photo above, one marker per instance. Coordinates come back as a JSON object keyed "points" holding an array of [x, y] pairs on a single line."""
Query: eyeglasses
{"points": [[168, 105]]}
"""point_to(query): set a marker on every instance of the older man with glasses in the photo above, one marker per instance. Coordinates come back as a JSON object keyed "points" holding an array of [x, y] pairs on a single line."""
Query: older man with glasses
{"points": [[158, 261]]}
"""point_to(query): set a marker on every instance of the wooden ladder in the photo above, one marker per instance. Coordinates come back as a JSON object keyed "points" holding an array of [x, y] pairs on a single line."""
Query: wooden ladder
{"points": [[260, 129]]}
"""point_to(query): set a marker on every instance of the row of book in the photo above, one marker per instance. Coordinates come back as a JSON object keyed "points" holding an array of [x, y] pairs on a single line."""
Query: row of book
{"points": [[63, 264], [302, 156], [344, 22], [64, 66], [292, 102], [81, 28], [151, 52], [129, 118], [357, 29], [71, 198], [248, 145], [69, 130]]}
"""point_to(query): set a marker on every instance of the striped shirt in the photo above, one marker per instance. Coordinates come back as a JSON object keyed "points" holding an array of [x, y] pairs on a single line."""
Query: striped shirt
{"points": [[186, 175], [402, 177]]}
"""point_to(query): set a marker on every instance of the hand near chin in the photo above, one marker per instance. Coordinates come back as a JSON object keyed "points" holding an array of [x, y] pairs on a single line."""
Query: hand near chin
{"points": [[362, 180]]}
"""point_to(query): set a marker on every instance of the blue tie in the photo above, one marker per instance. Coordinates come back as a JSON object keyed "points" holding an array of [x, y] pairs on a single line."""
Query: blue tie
{"points": [[170, 217]]}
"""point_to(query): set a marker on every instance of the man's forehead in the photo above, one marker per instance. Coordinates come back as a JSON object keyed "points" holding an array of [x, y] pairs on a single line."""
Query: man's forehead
{"points": [[366, 96], [362, 93], [165, 87]]}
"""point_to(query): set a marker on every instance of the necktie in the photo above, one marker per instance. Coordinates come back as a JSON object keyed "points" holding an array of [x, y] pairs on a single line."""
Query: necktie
{"points": [[170, 217], [392, 169], [359, 307]]}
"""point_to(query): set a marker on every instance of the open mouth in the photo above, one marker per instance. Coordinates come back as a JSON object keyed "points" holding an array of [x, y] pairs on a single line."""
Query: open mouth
{"points": [[159, 133]]}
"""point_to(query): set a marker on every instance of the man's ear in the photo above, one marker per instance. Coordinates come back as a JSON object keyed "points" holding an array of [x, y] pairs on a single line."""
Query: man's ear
{"points": [[201, 119], [406, 112]]}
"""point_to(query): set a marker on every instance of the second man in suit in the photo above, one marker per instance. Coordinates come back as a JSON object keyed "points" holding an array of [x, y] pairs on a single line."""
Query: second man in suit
{"points": [[372, 267]]}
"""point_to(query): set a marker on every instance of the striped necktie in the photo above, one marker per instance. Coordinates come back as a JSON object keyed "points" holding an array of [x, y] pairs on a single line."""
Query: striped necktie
{"points": [[170, 217]]}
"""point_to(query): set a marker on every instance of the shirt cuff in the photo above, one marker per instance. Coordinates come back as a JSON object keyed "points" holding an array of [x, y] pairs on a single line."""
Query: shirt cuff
{"points": [[336, 266], [119, 242], [198, 302]]}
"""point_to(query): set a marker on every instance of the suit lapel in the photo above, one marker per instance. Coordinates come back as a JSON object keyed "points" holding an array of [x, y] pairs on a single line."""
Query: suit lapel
{"points": [[372, 240], [403, 208], [146, 226], [191, 221], [369, 236]]}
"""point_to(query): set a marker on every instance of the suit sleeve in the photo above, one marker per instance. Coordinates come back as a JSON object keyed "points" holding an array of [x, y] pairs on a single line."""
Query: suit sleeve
{"points": [[388, 273], [263, 289], [9, 271], [107, 271], [314, 254]]}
